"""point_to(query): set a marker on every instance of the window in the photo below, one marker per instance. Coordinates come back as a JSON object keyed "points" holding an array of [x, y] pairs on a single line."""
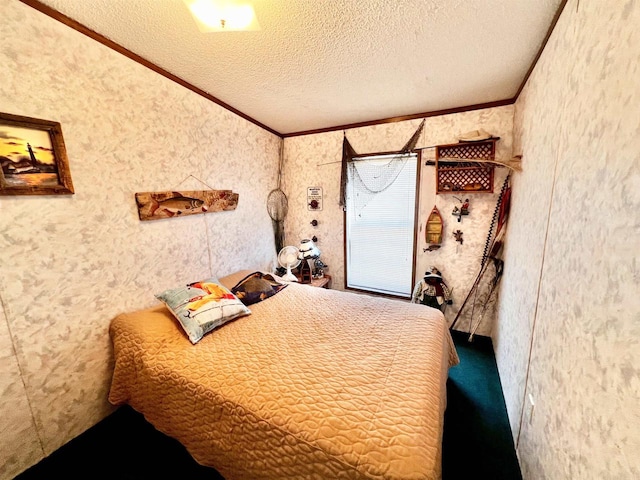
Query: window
{"points": [[380, 223]]}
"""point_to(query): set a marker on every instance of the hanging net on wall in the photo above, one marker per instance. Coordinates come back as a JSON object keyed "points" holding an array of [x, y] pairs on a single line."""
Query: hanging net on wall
{"points": [[371, 178], [278, 207]]}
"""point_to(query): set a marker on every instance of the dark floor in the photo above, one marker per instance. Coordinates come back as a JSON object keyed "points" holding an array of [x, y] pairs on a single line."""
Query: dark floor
{"points": [[477, 439]]}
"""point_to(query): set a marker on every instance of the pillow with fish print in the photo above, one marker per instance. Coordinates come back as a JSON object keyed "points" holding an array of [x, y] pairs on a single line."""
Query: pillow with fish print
{"points": [[256, 287], [202, 306]]}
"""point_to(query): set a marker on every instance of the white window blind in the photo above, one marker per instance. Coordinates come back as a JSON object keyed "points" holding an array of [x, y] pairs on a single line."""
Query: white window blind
{"points": [[380, 226]]}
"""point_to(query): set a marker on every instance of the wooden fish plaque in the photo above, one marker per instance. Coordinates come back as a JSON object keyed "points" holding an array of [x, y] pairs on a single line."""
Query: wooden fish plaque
{"points": [[158, 205]]}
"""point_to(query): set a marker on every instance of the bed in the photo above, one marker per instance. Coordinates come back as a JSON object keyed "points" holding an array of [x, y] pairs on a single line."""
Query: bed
{"points": [[315, 383]]}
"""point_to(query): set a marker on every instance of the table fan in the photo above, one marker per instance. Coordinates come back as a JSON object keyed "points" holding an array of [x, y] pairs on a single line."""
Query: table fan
{"points": [[288, 258]]}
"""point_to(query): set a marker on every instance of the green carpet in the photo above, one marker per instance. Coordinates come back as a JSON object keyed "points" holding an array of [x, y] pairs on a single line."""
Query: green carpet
{"points": [[477, 437], [477, 440]]}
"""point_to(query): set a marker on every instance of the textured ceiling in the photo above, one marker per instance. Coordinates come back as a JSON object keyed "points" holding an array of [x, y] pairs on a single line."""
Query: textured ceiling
{"points": [[323, 63]]}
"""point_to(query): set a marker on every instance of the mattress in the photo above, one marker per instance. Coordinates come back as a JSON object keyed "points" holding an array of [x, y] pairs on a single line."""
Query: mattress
{"points": [[315, 383]]}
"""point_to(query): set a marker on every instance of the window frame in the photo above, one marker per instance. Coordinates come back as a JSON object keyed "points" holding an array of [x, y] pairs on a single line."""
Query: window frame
{"points": [[416, 225]]}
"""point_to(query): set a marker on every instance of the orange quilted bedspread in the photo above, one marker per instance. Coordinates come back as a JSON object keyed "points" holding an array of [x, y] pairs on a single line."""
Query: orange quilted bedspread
{"points": [[314, 383]]}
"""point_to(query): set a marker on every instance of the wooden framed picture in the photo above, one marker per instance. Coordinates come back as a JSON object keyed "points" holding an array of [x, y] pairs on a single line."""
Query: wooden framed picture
{"points": [[33, 157]]}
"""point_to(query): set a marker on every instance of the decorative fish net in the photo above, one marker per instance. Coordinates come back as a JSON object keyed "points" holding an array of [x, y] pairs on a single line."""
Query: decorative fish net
{"points": [[278, 207], [371, 178], [367, 179]]}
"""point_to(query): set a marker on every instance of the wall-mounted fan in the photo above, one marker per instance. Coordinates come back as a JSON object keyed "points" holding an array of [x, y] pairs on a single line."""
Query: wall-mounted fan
{"points": [[288, 258]]}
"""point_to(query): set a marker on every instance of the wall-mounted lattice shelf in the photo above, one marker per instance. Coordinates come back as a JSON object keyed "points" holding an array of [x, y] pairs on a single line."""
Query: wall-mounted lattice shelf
{"points": [[457, 172]]}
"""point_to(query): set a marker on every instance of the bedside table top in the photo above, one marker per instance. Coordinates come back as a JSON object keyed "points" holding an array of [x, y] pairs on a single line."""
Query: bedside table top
{"points": [[322, 282]]}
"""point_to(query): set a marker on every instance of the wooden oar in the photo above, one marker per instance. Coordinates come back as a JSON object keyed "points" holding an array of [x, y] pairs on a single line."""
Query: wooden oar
{"points": [[514, 163]]}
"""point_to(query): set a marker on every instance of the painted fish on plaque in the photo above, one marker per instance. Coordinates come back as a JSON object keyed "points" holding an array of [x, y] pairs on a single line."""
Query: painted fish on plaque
{"points": [[158, 205], [177, 205]]}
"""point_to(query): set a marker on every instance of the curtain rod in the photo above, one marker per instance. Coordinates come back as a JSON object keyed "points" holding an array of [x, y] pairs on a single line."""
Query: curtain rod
{"points": [[340, 161]]}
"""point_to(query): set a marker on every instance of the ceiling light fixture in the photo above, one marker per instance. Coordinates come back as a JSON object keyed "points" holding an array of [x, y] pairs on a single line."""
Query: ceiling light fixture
{"points": [[223, 16]]}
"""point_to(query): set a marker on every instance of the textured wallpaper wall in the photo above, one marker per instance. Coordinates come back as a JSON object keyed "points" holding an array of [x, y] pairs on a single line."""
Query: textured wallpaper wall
{"points": [[19, 444], [71, 263], [305, 155], [574, 237]]}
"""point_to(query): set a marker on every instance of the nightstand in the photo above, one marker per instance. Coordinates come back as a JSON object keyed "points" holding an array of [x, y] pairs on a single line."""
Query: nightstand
{"points": [[322, 282]]}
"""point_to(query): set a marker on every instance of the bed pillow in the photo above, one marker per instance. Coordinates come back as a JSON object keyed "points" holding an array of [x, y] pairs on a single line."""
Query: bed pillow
{"points": [[202, 306], [232, 280], [256, 287]]}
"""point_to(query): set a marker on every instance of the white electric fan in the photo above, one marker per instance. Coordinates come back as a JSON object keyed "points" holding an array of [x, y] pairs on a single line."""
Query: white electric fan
{"points": [[288, 258]]}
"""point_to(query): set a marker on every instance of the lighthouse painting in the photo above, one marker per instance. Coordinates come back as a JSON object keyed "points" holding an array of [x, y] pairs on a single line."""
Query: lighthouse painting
{"points": [[32, 157]]}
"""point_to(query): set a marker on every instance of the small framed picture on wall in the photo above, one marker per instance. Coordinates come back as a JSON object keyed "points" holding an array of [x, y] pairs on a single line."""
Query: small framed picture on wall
{"points": [[33, 157]]}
